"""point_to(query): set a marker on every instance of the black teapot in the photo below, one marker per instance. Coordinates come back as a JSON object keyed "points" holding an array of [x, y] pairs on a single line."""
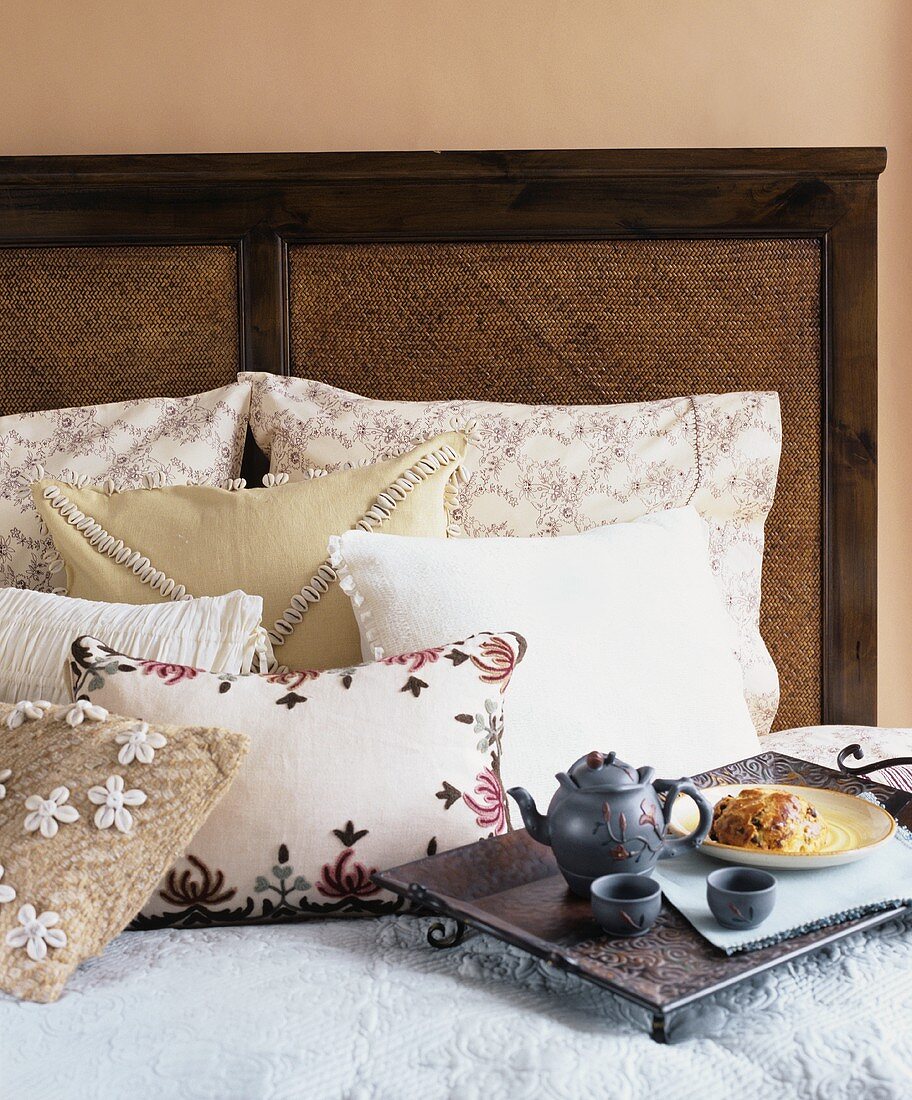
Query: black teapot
{"points": [[608, 817]]}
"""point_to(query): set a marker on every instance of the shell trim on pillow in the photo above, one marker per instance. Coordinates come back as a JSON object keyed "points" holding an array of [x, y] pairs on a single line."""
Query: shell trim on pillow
{"points": [[310, 593]]}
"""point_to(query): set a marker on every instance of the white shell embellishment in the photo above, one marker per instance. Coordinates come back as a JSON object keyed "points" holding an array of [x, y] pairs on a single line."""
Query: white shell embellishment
{"points": [[27, 711], [37, 933], [139, 743], [112, 801], [45, 813], [5, 773], [7, 893], [83, 709]]}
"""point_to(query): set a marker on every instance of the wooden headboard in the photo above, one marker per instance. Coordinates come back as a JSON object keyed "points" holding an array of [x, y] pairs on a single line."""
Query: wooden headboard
{"points": [[559, 276]]}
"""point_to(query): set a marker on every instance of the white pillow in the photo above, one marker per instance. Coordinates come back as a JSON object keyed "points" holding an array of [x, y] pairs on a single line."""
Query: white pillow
{"points": [[222, 633], [350, 771], [564, 469], [176, 440], [629, 645]]}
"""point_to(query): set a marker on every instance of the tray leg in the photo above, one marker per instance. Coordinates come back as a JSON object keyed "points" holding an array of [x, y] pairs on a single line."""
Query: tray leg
{"points": [[438, 936], [658, 1032]]}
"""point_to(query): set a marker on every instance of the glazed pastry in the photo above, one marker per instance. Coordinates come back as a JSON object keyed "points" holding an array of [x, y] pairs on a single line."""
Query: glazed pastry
{"points": [[776, 821]]}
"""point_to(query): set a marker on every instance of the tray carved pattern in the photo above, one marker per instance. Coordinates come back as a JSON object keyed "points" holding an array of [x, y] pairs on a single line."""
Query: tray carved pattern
{"points": [[510, 887]]}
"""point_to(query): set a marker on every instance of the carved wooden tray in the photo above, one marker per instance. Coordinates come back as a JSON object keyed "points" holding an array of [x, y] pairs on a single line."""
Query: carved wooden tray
{"points": [[509, 887]]}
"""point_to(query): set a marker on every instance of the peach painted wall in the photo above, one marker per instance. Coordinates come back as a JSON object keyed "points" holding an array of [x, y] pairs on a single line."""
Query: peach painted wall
{"points": [[105, 76]]}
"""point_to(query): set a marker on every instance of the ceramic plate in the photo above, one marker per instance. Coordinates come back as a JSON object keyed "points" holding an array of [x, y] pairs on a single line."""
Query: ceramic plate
{"points": [[855, 829]]}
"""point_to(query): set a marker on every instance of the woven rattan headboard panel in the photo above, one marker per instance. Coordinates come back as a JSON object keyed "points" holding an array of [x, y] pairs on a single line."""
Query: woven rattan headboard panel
{"points": [[597, 322], [586, 276]]}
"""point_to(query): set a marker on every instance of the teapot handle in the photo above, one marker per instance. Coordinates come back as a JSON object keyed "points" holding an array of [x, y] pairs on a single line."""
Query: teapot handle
{"points": [[671, 788]]}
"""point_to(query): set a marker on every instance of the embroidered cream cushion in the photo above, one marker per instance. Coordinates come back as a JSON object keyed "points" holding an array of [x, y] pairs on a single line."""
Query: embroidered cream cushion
{"points": [[37, 629], [155, 545], [562, 469], [350, 771], [93, 809], [629, 645], [169, 439]]}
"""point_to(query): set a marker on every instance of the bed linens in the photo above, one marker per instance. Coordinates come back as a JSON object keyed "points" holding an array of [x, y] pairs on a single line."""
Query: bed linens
{"points": [[158, 545], [366, 1010], [173, 440], [350, 771], [629, 645], [222, 633], [561, 469]]}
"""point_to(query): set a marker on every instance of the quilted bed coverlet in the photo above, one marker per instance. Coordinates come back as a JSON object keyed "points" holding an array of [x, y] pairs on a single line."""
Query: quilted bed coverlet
{"points": [[366, 1010]]}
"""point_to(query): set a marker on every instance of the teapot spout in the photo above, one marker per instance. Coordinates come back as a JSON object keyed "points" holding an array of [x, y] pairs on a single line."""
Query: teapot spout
{"points": [[536, 824]]}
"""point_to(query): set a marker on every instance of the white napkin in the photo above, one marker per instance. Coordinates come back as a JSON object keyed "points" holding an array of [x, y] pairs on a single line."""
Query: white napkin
{"points": [[805, 900]]}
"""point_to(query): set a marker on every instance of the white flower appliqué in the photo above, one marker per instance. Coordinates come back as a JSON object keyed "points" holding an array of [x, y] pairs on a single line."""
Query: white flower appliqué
{"points": [[26, 710], [7, 893], [83, 709], [112, 801], [46, 812], [139, 743], [5, 773], [37, 933]]}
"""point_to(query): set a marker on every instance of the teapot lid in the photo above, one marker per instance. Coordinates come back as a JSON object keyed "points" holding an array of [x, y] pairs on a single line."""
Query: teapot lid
{"points": [[599, 769]]}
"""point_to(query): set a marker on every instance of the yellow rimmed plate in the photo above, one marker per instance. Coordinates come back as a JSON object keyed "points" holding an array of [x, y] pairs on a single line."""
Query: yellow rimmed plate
{"points": [[855, 828]]}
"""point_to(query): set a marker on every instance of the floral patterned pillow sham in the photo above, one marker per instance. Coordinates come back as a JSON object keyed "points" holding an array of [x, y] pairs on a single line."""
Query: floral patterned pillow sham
{"points": [[129, 444], [93, 810], [564, 469], [350, 771]]}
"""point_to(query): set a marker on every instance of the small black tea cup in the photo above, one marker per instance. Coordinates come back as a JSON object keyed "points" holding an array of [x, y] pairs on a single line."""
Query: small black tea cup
{"points": [[626, 905], [740, 897]]}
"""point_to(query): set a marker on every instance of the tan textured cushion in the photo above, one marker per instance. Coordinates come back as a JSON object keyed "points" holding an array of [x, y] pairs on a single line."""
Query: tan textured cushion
{"points": [[75, 869], [268, 542]]}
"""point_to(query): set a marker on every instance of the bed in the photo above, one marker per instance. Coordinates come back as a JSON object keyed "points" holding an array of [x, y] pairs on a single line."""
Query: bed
{"points": [[561, 276]]}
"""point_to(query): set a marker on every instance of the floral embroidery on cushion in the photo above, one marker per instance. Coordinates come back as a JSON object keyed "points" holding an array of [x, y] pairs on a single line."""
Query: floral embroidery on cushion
{"points": [[112, 801], [415, 661], [37, 933], [498, 660], [338, 880], [414, 685], [170, 673], [5, 774], [291, 700], [448, 794], [291, 679], [282, 871], [489, 807], [45, 813], [7, 893], [185, 890]]}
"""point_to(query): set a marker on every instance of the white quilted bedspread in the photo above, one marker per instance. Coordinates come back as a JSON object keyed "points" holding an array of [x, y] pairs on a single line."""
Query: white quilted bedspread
{"points": [[365, 1010]]}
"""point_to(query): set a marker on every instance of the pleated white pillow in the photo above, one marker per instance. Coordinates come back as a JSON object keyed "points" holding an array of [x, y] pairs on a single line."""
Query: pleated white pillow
{"points": [[629, 646], [37, 629]]}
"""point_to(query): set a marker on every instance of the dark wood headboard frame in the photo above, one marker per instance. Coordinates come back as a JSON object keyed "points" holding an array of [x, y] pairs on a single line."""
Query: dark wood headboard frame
{"points": [[261, 203]]}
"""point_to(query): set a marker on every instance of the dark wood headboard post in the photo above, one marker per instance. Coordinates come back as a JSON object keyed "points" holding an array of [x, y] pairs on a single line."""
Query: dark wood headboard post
{"points": [[87, 308]]}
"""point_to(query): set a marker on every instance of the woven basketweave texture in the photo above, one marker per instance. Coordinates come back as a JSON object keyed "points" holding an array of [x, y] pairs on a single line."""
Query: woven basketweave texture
{"points": [[88, 325], [93, 877], [596, 322]]}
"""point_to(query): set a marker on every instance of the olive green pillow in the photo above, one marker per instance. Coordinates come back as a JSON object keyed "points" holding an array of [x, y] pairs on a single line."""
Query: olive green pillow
{"points": [[179, 541]]}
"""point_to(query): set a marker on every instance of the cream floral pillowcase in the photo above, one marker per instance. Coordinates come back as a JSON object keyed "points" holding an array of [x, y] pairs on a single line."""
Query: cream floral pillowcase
{"points": [[93, 809], [129, 444], [564, 469], [351, 771]]}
